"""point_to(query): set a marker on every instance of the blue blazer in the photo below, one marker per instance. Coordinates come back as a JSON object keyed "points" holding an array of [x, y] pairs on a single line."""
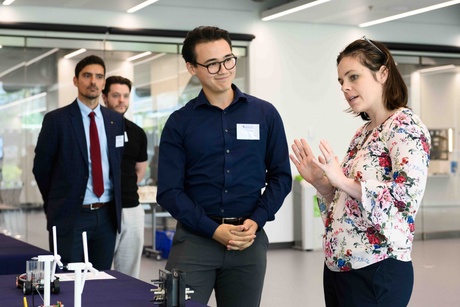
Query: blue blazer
{"points": [[61, 164]]}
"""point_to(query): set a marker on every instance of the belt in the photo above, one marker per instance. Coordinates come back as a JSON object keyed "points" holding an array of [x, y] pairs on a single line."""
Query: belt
{"points": [[229, 220], [95, 206]]}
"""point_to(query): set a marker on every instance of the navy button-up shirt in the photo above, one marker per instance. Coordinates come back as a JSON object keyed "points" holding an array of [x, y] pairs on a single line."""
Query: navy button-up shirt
{"points": [[226, 163]]}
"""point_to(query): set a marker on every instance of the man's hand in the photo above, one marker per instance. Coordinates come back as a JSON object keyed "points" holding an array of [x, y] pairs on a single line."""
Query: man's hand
{"points": [[237, 237]]}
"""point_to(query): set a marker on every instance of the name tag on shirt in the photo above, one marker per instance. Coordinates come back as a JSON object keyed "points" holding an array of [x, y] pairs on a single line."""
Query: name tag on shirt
{"points": [[247, 132], [119, 141]]}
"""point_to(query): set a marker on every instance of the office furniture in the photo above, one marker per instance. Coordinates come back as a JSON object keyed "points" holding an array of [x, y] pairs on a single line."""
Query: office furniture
{"points": [[148, 197], [308, 225], [11, 211]]}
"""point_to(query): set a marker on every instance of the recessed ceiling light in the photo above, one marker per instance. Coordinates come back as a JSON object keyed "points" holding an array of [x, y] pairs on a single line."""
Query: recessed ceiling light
{"points": [[410, 13], [7, 2], [138, 56], [437, 68], [75, 53], [141, 6], [289, 8]]}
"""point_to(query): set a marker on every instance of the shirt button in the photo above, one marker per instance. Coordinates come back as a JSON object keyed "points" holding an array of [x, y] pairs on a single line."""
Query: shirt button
{"points": [[226, 191], [228, 171], [228, 151], [226, 130]]}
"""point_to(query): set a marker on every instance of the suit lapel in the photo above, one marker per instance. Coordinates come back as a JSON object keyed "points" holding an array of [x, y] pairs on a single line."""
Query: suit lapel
{"points": [[77, 124], [109, 130]]}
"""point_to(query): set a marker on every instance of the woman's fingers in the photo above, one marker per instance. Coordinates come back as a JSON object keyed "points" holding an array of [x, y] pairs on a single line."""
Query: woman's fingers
{"points": [[326, 150], [321, 160], [306, 147], [297, 153], [300, 149], [294, 160]]}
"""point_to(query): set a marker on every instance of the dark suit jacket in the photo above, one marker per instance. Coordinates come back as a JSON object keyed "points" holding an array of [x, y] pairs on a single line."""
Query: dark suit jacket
{"points": [[61, 164]]}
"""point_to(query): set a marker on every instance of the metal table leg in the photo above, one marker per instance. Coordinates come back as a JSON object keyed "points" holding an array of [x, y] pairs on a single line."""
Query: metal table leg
{"points": [[151, 251]]}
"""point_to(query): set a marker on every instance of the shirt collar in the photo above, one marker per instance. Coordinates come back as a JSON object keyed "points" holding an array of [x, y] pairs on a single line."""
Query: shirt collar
{"points": [[239, 95], [85, 110]]}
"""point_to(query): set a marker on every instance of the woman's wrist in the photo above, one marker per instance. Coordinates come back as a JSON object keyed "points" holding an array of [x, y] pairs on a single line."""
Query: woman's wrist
{"points": [[328, 194], [324, 187]]}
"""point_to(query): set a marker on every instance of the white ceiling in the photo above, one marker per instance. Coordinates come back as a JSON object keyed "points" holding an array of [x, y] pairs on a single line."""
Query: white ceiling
{"points": [[344, 12], [355, 12]]}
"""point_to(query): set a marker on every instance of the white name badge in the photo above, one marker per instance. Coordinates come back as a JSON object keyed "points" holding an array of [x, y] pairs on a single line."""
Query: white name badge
{"points": [[247, 132], [119, 141]]}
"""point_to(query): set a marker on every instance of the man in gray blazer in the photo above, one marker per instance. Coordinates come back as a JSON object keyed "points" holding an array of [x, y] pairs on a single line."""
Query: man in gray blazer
{"points": [[64, 165]]}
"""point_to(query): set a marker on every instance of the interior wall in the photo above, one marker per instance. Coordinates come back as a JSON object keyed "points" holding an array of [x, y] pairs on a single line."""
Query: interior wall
{"points": [[292, 65]]}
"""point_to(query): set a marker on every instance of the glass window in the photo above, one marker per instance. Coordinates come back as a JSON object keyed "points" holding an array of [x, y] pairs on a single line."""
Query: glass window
{"points": [[434, 94], [35, 78]]}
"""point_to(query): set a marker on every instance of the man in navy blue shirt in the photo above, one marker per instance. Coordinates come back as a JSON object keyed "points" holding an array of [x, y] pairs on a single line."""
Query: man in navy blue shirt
{"points": [[223, 173]]}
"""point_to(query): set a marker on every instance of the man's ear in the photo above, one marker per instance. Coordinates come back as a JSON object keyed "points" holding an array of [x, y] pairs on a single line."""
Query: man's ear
{"points": [[191, 68]]}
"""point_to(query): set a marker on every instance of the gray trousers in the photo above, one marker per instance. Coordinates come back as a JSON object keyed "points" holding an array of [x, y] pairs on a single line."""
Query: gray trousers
{"points": [[237, 277], [130, 242]]}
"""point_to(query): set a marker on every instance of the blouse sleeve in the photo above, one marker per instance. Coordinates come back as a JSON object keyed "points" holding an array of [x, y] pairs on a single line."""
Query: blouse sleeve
{"points": [[403, 160], [323, 205]]}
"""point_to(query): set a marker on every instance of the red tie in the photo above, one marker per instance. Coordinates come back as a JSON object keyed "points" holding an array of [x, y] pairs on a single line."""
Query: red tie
{"points": [[95, 150]]}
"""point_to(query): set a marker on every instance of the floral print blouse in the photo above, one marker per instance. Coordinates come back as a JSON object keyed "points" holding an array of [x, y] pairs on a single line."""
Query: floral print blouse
{"points": [[391, 162]]}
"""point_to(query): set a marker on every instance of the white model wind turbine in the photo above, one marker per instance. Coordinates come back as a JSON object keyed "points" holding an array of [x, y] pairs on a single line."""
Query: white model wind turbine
{"points": [[48, 272], [57, 258], [80, 267]]}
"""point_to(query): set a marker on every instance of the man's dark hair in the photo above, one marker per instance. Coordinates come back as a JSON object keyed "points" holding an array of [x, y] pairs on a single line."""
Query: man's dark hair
{"points": [[199, 35], [116, 80], [89, 60]]}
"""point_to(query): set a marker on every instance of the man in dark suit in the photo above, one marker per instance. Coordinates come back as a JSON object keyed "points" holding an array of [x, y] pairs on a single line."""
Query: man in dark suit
{"points": [[66, 169]]}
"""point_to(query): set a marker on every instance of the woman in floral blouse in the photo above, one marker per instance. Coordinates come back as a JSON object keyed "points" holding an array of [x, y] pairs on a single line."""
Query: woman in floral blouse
{"points": [[369, 201]]}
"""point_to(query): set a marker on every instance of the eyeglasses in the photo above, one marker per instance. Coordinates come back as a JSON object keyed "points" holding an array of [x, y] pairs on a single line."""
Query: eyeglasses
{"points": [[367, 40], [214, 67]]}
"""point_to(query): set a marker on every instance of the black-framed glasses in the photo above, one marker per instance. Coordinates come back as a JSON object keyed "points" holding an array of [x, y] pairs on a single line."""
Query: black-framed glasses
{"points": [[214, 67], [373, 45]]}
